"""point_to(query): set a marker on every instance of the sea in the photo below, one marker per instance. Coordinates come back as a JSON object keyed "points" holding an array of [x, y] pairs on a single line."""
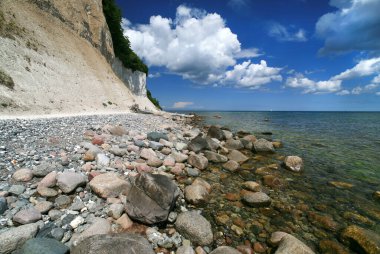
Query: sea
{"points": [[335, 147]]}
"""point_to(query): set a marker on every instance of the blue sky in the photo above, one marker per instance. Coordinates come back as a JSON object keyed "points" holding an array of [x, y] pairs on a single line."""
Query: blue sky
{"points": [[259, 55]]}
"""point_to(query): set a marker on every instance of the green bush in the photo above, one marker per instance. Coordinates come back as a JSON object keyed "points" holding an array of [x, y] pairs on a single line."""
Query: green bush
{"points": [[153, 100], [121, 44]]}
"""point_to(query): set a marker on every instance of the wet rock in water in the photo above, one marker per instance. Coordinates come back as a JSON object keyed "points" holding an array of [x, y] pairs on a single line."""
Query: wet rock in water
{"points": [[151, 198], [355, 217], [198, 161], [256, 199], [125, 243], [332, 247], [43, 245], [277, 144], [361, 240], [231, 165], [376, 195], [69, 181], [272, 181], [108, 185], [225, 250], [99, 226], [16, 236], [342, 185], [216, 132], [252, 186], [195, 227], [156, 136], [276, 237], [196, 194], [23, 175], [28, 215], [215, 157], [290, 244], [263, 146], [3, 205], [323, 221], [293, 163], [237, 156], [233, 144]]}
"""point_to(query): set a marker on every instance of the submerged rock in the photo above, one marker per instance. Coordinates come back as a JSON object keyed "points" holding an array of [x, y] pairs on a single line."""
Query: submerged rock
{"points": [[215, 157], [290, 244], [237, 156], [293, 163], [125, 243], [195, 227], [342, 185], [361, 240], [332, 247], [151, 198], [256, 199], [231, 165]]}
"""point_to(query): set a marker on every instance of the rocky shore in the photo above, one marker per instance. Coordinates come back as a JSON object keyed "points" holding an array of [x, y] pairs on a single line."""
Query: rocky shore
{"points": [[137, 183]]}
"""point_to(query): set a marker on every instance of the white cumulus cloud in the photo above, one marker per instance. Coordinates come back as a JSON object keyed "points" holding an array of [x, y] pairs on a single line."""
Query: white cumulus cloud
{"points": [[365, 67], [343, 92], [182, 104], [283, 33], [311, 86], [252, 75], [195, 45]]}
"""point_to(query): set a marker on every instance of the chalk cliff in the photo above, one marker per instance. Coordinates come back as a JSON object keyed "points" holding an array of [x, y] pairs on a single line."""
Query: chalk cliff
{"points": [[59, 56]]}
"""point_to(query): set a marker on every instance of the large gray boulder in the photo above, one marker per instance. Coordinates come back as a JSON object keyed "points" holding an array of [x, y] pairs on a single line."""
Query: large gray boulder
{"points": [[225, 250], [216, 132], [43, 245], [195, 227], [15, 237], [263, 146], [125, 243], [290, 244], [151, 198]]}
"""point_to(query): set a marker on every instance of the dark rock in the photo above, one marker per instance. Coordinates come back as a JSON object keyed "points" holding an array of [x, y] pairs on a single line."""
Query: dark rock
{"points": [[215, 132], [43, 245], [198, 144], [43, 169], [3, 205], [45, 231], [151, 198], [125, 243], [62, 201], [156, 136]]}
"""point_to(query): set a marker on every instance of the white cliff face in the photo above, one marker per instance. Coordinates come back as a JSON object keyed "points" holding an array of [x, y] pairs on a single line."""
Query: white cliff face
{"points": [[57, 70], [135, 81]]}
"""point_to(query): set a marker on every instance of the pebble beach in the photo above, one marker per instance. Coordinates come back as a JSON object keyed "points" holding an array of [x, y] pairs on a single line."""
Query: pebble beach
{"points": [[157, 184]]}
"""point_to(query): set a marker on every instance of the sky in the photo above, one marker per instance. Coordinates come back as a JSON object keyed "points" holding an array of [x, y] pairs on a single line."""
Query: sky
{"points": [[307, 55]]}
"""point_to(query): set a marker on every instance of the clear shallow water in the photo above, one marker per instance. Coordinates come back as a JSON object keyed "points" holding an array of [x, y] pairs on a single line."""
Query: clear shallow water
{"points": [[335, 146]]}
